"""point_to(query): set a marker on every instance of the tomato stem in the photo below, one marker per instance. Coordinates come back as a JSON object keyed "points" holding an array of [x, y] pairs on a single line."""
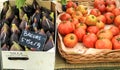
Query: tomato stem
{"points": [[118, 39]]}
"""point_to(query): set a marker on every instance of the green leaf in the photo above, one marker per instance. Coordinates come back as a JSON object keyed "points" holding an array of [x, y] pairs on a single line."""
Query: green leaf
{"points": [[20, 3]]}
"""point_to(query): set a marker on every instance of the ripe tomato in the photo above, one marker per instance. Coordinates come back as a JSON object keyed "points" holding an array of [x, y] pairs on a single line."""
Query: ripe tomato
{"points": [[101, 7], [77, 14], [74, 21], [81, 25], [96, 2], [117, 20], [110, 8], [71, 4], [66, 27], [70, 10], [116, 11], [65, 16], [102, 18], [103, 44], [82, 19], [95, 12], [115, 30], [108, 2], [79, 32], [91, 20], [92, 29], [109, 17], [70, 40], [89, 40], [82, 9], [100, 24], [116, 42], [105, 34]]}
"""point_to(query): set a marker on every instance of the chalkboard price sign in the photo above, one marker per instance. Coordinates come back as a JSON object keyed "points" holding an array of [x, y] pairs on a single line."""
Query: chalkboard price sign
{"points": [[32, 39]]}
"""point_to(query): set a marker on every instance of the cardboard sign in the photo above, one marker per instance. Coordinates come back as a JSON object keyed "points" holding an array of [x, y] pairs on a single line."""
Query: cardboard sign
{"points": [[32, 39]]}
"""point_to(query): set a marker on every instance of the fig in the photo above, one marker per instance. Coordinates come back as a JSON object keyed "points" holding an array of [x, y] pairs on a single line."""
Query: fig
{"points": [[42, 32], [14, 37], [4, 35], [24, 22], [16, 21], [35, 25], [14, 29], [47, 25], [5, 9], [5, 47], [16, 47], [21, 13], [49, 44], [9, 14]]}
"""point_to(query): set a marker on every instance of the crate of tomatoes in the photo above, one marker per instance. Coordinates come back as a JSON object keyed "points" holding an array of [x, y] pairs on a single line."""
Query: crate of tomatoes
{"points": [[90, 34]]}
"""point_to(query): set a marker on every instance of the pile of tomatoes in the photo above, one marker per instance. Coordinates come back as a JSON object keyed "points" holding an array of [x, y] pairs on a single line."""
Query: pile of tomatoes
{"points": [[80, 26]]}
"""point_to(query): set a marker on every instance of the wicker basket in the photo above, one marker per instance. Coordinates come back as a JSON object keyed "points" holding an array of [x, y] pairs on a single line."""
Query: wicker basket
{"points": [[103, 56]]}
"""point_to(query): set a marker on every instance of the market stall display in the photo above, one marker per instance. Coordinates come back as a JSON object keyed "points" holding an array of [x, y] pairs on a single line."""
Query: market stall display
{"points": [[89, 32]]}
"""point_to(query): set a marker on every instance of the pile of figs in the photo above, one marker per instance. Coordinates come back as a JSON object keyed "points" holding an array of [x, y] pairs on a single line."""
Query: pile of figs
{"points": [[28, 17]]}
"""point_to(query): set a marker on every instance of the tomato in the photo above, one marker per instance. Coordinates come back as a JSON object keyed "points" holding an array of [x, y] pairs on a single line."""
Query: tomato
{"points": [[71, 4], [70, 10], [66, 27], [96, 2], [109, 17], [105, 34], [82, 19], [116, 11], [70, 40], [92, 29], [79, 32], [89, 40], [65, 16], [91, 20], [100, 24], [77, 14], [117, 20], [110, 8], [115, 30], [74, 21], [81, 25], [103, 44], [101, 7], [108, 2], [102, 18], [95, 12], [116, 42], [82, 9]]}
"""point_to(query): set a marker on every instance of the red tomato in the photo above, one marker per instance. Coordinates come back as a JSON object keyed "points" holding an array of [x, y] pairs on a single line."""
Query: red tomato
{"points": [[79, 32], [105, 34], [74, 21], [100, 24], [77, 14], [116, 11], [81, 25], [70, 40], [66, 27], [117, 20], [89, 40], [96, 2], [65, 16], [71, 4], [70, 10], [82, 19], [102, 18], [95, 12], [108, 2], [116, 42], [103, 44], [115, 30], [101, 7], [93, 29], [110, 8], [109, 17]]}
